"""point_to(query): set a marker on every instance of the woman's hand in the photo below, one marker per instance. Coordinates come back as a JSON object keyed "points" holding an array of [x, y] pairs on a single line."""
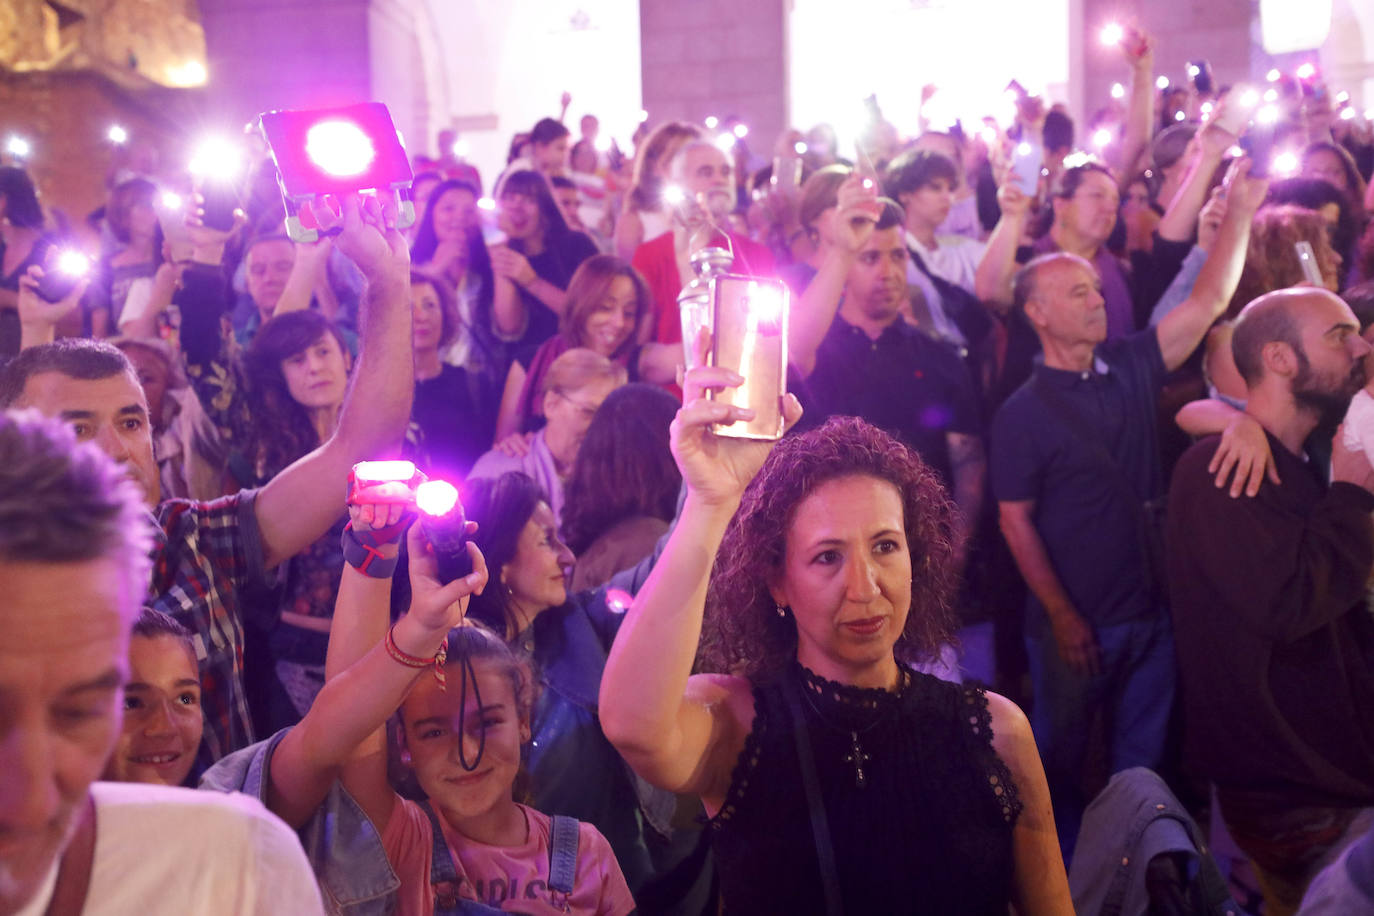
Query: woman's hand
{"points": [[37, 312], [1244, 457], [436, 607], [718, 468], [512, 265], [516, 445]]}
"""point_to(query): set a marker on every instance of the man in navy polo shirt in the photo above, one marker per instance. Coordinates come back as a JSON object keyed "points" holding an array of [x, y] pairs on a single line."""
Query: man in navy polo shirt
{"points": [[1074, 460], [860, 358]]}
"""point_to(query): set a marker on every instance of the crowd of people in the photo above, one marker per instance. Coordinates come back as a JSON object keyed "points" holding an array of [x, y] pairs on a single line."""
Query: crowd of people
{"points": [[1066, 432]]}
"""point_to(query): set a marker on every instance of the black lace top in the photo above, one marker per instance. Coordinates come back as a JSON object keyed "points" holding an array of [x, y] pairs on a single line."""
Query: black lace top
{"points": [[929, 831]]}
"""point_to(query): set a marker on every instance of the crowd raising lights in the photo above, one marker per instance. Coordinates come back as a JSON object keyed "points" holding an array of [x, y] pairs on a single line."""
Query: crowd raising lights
{"points": [[1269, 114], [1162, 83], [1271, 95], [339, 147], [461, 148], [643, 115], [1102, 137], [673, 194], [1193, 71], [725, 142], [1347, 114], [1250, 98], [741, 131], [711, 122], [1306, 71], [1112, 34], [171, 200], [18, 147], [1286, 163], [1118, 91], [1273, 76], [799, 147], [1179, 116], [486, 203], [117, 134]]}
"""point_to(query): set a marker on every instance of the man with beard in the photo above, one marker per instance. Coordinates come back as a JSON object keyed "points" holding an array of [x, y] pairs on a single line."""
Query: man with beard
{"points": [[1274, 637], [705, 194]]}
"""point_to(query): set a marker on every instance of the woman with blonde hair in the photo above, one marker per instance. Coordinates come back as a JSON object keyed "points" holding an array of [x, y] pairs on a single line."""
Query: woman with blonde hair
{"points": [[574, 387]]}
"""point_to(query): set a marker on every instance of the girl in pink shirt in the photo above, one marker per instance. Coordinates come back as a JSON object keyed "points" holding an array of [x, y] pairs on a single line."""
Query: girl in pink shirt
{"points": [[470, 847]]}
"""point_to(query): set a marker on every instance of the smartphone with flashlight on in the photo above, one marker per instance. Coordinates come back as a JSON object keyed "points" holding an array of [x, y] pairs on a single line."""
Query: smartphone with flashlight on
{"points": [[787, 174], [171, 217], [1307, 259], [749, 336], [1027, 162], [63, 270], [1200, 72], [1237, 109]]}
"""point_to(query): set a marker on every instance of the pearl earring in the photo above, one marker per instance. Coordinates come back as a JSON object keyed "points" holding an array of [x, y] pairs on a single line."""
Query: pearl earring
{"points": [[782, 611]]}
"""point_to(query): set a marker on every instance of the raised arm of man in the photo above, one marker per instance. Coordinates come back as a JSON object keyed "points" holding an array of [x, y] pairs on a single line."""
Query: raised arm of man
{"points": [[1182, 330]]}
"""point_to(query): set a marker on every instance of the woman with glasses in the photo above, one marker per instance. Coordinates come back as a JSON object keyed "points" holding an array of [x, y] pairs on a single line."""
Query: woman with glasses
{"points": [[573, 388]]}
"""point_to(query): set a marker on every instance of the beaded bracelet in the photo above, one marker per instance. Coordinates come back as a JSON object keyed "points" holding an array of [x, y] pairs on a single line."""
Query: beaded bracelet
{"points": [[414, 661]]}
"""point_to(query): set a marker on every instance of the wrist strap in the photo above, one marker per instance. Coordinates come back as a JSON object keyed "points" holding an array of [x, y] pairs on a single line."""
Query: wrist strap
{"points": [[414, 661], [362, 548]]}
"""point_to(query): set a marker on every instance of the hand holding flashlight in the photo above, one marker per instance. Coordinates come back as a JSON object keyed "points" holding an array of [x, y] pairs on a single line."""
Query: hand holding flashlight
{"points": [[367, 233], [440, 606], [37, 313]]}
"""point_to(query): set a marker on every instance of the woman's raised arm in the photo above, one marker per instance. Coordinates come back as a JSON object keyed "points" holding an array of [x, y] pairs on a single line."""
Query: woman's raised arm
{"points": [[677, 732]]}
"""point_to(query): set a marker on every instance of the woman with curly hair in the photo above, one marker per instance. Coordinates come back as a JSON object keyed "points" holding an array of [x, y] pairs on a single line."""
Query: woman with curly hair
{"points": [[1272, 262], [830, 768]]}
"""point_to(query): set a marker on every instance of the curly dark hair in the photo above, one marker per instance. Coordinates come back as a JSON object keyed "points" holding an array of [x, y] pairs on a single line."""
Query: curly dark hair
{"points": [[742, 633]]}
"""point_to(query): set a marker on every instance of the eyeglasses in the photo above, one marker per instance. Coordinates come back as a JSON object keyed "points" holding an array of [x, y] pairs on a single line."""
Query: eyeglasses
{"points": [[586, 410]]}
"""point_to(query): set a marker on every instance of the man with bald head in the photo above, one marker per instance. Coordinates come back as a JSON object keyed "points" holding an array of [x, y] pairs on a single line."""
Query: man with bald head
{"points": [[1076, 473], [1275, 639]]}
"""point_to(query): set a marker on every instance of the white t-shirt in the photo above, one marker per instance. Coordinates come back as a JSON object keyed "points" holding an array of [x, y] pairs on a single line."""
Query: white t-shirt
{"points": [[162, 850], [1359, 424], [955, 260]]}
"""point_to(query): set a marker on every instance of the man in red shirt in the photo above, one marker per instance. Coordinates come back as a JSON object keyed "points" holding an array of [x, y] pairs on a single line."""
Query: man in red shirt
{"points": [[703, 173]]}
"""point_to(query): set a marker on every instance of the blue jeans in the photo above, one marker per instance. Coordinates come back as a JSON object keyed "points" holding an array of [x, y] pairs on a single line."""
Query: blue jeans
{"points": [[1135, 691]]}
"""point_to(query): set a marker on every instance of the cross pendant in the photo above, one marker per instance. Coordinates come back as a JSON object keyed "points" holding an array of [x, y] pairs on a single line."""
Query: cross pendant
{"points": [[857, 757]]}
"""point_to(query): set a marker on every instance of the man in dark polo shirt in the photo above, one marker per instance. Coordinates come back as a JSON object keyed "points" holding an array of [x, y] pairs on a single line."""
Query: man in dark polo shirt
{"points": [[871, 363], [1074, 460], [1275, 638]]}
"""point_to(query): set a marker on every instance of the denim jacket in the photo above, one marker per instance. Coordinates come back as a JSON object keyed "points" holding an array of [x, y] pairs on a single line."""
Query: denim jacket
{"points": [[1133, 820], [343, 846], [573, 767]]}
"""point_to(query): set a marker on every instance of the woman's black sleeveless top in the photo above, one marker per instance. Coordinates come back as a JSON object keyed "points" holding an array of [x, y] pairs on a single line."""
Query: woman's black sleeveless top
{"points": [[930, 831]]}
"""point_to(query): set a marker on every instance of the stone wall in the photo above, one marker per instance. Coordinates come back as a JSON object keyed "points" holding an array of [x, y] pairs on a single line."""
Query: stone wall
{"points": [[716, 57]]}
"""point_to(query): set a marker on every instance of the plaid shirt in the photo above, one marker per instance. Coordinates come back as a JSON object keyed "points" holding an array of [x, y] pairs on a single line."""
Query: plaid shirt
{"points": [[205, 554]]}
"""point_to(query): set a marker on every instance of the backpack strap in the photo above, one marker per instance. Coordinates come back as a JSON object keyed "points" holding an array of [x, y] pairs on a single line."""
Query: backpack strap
{"points": [[443, 877], [563, 854]]}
